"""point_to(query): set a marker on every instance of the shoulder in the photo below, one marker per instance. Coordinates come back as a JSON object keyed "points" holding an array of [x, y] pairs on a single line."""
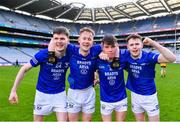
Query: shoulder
{"points": [[124, 52], [72, 47], [150, 54], [96, 47], [43, 51], [41, 54]]}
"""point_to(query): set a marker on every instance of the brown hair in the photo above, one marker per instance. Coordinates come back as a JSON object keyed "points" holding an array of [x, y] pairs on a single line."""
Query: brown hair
{"points": [[61, 30], [87, 29], [133, 36], [109, 40]]}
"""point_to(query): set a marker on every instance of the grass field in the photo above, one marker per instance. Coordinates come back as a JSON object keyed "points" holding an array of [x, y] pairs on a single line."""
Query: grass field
{"points": [[168, 89]]}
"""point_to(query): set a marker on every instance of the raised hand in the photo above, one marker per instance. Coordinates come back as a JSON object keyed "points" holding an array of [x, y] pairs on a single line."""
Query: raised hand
{"points": [[148, 42]]}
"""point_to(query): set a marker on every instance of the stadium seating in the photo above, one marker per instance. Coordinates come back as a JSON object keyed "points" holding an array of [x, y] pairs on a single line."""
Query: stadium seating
{"points": [[22, 40], [126, 27], [28, 51], [165, 22], [13, 53], [178, 21], [148, 26], [144, 25], [20, 21], [15, 20]]}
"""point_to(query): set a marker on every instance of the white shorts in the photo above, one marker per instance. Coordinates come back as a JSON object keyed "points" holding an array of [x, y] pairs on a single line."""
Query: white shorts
{"points": [[142, 103], [81, 100], [107, 108], [44, 104]]}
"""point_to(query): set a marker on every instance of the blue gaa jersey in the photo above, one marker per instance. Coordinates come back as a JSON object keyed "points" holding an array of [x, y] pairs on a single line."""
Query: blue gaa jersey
{"points": [[51, 78], [82, 68], [141, 73], [112, 85]]}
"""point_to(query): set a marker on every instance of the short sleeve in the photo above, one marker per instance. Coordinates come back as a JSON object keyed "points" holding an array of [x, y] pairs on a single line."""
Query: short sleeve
{"points": [[153, 57], [71, 49], [37, 59], [96, 49]]}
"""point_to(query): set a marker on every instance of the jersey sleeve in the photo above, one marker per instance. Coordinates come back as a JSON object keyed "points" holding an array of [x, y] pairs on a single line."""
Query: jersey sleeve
{"points": [[96, 49], [123, 53], [71, 49], [37, 59], [153, 57], [123, 58]]}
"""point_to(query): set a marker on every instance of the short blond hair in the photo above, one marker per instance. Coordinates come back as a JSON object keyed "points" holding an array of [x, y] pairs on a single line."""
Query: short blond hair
{"points": [[87, 29]]}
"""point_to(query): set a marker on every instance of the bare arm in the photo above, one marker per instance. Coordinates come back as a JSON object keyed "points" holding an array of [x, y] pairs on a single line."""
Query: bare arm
{"points": [[13, 98], [165, 56], [96, 78], [51, 45]]}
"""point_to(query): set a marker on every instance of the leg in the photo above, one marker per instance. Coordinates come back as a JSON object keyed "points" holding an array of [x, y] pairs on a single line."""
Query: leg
{"points": [[152, 108], [86, 117], [61, 116], [38, 118], [106, 118], [162, 72], [120, 110], [154, 118], [73, 117], [88, 106], [106, 111], [120, 116], [39, 108], [137, 108], [74, 99], [140, 117], [60, 106]]}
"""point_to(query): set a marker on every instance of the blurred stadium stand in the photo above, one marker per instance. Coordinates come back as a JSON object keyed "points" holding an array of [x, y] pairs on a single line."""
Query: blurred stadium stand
{"points": [[20, 33]]}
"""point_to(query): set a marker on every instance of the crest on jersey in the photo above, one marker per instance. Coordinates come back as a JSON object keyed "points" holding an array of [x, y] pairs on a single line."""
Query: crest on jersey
{"points": [[58, 65], [111, 82], [83, 71]]}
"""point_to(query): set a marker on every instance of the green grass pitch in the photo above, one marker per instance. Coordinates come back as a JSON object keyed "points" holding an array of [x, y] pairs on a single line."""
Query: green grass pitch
{"points": [[168, 89]]}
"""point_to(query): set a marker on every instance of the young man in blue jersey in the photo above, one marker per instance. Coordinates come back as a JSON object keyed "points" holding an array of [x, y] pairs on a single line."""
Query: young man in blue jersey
{"points": [[81, 94], [112, 86], [50, 90], [141, 74]]}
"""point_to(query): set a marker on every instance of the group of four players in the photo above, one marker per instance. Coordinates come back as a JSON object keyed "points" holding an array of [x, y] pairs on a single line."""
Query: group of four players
{"points": [[84, 60]]}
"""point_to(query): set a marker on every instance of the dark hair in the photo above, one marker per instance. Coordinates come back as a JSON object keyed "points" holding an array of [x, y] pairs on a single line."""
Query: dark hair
{"points": [[87, 29], [61, 30], [133, 36], [109, 40]]}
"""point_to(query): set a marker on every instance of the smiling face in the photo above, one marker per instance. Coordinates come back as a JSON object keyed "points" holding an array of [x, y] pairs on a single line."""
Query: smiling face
{"points": [[61, 41], [135, 46], [85, 41]]}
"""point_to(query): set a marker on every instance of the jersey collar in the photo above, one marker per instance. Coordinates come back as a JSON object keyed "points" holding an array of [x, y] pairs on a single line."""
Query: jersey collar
{"points": [[82, 55]]}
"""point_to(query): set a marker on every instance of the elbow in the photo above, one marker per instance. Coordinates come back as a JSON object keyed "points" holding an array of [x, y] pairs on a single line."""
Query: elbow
{"points": [[173, 59]]}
